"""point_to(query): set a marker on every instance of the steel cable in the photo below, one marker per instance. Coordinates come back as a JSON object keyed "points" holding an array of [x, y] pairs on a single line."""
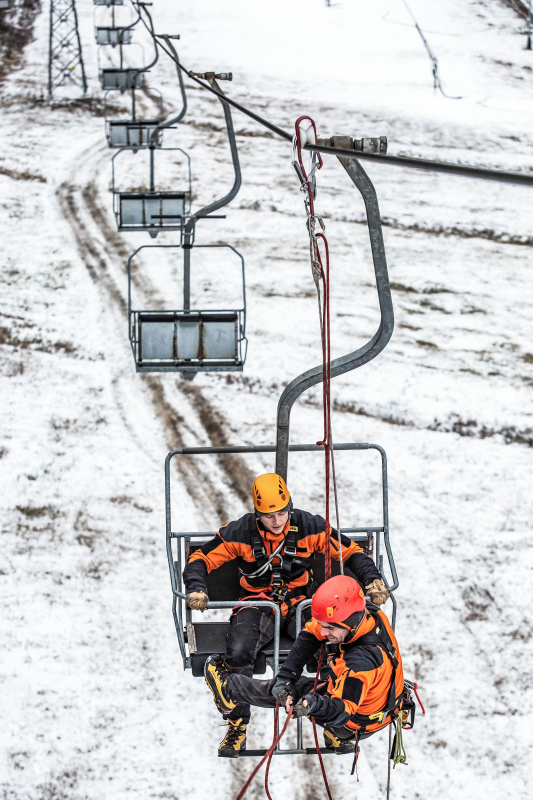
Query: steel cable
{"points": [[427, 165]]}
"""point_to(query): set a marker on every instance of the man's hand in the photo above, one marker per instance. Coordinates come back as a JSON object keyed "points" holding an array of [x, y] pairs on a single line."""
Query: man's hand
{"points": [[197, 601], [284, 691], [307, 705], [378, 592]]}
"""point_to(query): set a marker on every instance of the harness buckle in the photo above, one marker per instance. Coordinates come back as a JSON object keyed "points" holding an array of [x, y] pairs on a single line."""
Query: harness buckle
{"points": [[379, 716], [279, 593]]}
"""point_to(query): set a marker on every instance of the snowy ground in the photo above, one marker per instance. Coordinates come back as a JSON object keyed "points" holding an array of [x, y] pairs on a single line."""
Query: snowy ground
{"points": [[95, 704]]}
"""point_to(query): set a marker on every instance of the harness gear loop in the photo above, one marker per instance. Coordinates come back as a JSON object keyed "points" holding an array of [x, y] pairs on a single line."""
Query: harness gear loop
{"points": [[398, 755]]}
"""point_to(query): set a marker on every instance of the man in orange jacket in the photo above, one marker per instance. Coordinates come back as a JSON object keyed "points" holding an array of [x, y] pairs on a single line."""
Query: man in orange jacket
{"points": [[274, 548], [365, 683]]}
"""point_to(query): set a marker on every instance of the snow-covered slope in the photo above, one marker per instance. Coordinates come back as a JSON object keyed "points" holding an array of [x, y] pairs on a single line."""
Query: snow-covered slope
{"points": [[95, 703]]}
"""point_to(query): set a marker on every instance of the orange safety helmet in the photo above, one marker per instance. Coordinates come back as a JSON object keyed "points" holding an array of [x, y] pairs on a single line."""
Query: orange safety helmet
{"points": [[337, 599], [270, 493]]}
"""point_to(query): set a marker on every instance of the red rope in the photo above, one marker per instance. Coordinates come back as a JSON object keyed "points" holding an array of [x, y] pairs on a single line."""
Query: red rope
{"points": [[326, 391], [319, 754], [267, 755], [269, 760]]}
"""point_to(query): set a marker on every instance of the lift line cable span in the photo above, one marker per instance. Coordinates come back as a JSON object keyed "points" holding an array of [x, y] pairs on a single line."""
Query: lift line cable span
{"points": [[465, 171], [437, 82]]}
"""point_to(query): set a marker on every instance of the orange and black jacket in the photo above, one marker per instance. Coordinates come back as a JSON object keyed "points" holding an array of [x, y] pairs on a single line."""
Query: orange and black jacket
{"points": [[248, 542], [358, 694]]}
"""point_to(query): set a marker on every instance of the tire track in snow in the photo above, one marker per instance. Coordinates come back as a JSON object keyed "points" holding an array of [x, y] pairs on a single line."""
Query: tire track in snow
{"points": [[79, 202]]}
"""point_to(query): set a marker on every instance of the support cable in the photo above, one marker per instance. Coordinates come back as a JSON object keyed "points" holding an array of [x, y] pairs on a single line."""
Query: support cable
{"points": [[465, 171], [437, 83]]}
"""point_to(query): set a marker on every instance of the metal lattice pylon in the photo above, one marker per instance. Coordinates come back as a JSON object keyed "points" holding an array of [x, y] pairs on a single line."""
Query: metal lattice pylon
{"points": [[65, 61]]}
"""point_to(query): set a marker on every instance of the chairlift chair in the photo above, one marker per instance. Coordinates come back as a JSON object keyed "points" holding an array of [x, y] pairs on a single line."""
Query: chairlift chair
{"points": [[135, 133], [194, 640], [199, 639], [108, 2], [122, 79], [150, 210], [188, 340], [113, 35]]}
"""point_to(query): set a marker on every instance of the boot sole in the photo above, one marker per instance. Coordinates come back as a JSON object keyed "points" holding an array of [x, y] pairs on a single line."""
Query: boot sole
{"points": [[233, 754]]}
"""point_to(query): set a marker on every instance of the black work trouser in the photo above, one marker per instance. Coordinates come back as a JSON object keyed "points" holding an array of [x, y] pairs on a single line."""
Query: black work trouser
{"points": [[251, 628], [247, 691]]}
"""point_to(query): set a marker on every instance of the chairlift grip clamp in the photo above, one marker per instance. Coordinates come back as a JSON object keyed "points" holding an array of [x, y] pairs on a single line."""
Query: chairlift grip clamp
{"points": [[207, 76], [377, 144]]}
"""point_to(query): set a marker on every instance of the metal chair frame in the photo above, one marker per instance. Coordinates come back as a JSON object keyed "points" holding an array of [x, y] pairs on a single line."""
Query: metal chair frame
{"points": [[123, 32], [205, 317], [177, 543], [113, 35], [136, 133], [173, 221]]}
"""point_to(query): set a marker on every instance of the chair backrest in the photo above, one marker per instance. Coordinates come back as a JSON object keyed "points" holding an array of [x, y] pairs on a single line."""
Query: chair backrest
{"points": [[206, 335]]}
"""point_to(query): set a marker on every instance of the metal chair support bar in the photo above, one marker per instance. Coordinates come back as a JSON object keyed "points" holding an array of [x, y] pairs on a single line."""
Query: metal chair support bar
{"points": [[383, 334]]}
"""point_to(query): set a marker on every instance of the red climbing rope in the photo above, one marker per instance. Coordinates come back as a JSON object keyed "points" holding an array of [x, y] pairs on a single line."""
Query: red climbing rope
{"points": [[267, 755], [321, 278], [269, 760], [326, 391]]}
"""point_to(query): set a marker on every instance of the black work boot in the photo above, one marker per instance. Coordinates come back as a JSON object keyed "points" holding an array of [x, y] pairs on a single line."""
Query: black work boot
{"points": [[216, 676], [234, 742], [340, 746]]}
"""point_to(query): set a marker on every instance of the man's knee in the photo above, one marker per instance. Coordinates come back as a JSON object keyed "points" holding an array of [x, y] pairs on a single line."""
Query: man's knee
{"points": [[239, 659], [244, 637]]}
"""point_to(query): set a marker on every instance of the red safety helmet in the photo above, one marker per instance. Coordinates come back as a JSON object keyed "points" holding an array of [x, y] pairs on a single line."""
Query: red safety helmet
{"points": [[337, 599]]}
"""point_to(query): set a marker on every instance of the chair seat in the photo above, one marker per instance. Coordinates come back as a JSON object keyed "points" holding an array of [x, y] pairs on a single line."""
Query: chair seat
{"points": [[209, 638]]}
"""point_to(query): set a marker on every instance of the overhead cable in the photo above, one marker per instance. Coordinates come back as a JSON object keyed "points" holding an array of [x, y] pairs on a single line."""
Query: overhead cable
{"points": [[465, 171], [437, 83]]}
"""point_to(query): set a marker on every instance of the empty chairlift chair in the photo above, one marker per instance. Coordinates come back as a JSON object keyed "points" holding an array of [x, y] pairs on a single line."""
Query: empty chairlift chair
{"points": [[121, 79], [113, 35], [133, 133], [150, 210], [188, 340]]}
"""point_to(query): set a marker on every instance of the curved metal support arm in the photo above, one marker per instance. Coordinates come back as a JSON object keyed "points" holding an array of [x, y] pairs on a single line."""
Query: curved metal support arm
{"points": [[183, 111], [151, 30], [203, 212], [373, 347]]}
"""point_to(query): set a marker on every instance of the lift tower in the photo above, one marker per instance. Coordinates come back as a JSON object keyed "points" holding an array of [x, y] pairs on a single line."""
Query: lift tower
{"points": [[65, 61]]}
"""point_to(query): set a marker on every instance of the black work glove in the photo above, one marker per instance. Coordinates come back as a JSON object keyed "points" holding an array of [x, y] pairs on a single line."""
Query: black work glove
{"points": [[312, 701], [282, 689]]}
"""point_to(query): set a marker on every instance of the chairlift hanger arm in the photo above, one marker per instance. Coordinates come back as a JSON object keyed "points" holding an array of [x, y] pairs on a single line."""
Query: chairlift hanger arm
{"points": [[207, 210], [150, 28], [482, 173], [375, 345], [179, 117]]}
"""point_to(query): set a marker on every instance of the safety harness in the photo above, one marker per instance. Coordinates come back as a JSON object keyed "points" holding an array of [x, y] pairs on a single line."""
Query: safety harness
{"points": [[279, 565], [379, 636]]}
